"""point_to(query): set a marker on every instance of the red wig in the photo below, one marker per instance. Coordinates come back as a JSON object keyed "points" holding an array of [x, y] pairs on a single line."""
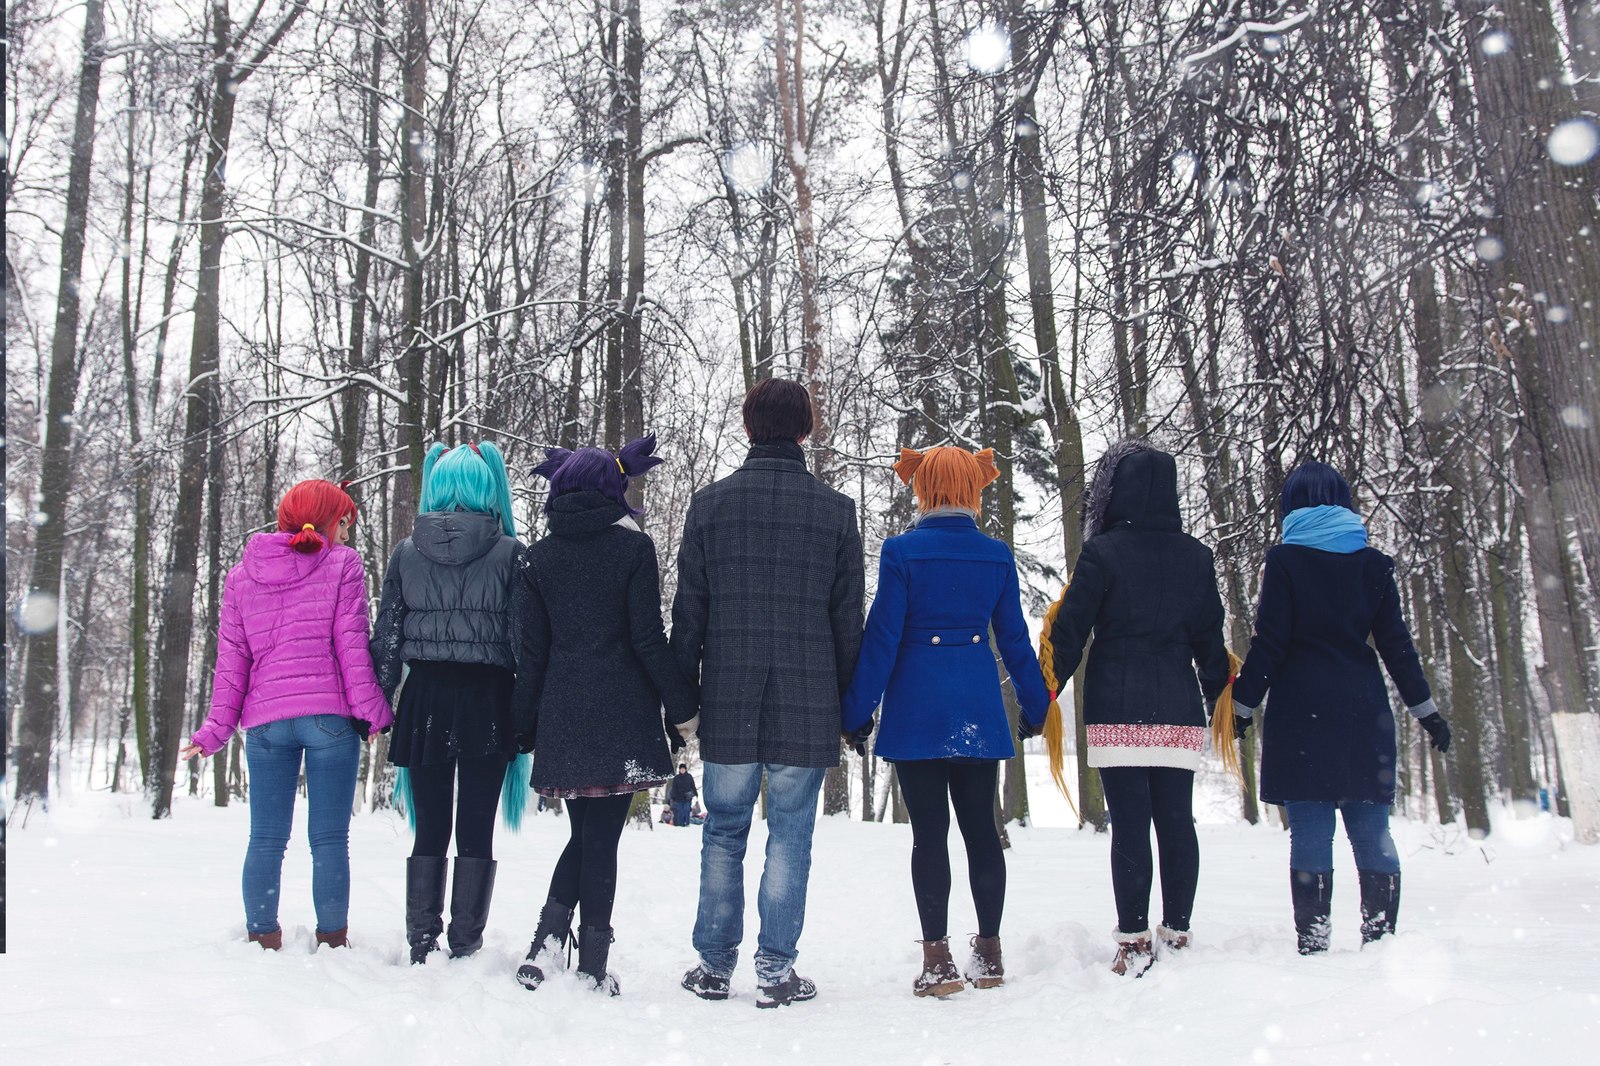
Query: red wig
{"points": [[312, 510]]}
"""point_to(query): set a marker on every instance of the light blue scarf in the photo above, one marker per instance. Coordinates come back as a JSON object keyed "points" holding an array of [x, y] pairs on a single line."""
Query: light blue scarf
{"points": [[1327, 528]]}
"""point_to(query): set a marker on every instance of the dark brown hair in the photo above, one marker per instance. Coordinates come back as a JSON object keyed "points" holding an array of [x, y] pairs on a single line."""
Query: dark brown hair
{"points": [[778, 409]]}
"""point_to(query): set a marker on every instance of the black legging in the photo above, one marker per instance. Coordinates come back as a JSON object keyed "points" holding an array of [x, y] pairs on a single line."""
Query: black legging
{"points": [[433, 793], [929, 788], [1135, 797], [586, 873]]}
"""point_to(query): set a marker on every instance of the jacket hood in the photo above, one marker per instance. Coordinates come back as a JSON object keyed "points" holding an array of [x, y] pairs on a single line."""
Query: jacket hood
{"points": [[575, 514], [455, 538], [1134, 484], [269, 559]]}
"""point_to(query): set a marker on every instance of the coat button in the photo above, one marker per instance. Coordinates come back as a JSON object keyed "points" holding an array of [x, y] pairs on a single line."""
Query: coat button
{"points": [[974, 638], [936, 639]]}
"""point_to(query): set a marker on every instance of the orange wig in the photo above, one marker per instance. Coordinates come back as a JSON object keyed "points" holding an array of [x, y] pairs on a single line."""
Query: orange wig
{"points": [[947, 477]]}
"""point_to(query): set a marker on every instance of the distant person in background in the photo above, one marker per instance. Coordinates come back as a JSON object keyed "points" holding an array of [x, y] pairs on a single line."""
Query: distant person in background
{"points": [[1147, 592], [593, 673], [768, 617], [681, 794], [1328, 740], [444, 628], [941, 588], [293, 671]]}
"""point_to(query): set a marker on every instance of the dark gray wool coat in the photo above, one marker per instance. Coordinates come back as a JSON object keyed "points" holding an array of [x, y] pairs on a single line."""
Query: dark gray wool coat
{"points": [[768, 611], [446, 596], [593, 665]]}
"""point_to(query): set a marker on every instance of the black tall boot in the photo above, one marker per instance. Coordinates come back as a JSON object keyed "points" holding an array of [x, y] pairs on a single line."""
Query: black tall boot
{"points": [[594, 948], [470, 892], [1380, 904], [1313, 899], [555, 924], [424, 904]]}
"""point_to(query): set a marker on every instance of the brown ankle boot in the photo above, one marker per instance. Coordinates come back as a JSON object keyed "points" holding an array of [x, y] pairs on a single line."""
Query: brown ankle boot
{"points": [[339, 938], [1134, 954], [272, 941], [985, 970], [939, 975]]}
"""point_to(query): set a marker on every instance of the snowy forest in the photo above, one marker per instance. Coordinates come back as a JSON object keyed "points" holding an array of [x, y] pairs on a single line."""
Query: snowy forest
{"points": [[254, 241]]}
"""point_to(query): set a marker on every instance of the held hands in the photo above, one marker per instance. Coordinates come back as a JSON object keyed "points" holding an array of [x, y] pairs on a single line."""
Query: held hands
{"points": [[1438, 730], [1241, 725], [858, 740], [1026, 730]]}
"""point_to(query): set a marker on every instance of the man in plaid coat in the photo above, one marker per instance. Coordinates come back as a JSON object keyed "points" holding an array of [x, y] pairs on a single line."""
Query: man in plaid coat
{"points": [[768, 616]]}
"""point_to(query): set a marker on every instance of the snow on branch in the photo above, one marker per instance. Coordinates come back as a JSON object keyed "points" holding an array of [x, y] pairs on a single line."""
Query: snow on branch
{"points": [[1239, 31]]}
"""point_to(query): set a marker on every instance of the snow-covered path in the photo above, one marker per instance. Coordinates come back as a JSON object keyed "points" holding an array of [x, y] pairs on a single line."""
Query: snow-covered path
{"points": [[126, 946]]}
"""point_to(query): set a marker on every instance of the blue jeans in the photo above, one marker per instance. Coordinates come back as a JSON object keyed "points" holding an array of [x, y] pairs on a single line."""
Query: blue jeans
{"points": [[680, 813], [730, 792], [273, 752], [1366, 824]]}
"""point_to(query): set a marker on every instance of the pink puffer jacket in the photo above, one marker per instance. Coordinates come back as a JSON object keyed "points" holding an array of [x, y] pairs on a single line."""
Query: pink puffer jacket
{"points": [[292, 641]]}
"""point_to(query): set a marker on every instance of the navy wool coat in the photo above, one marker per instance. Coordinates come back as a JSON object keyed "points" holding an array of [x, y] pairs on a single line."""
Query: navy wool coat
{"points": [[926, 654], [767, 613], [1329, 729], [593, 666]]}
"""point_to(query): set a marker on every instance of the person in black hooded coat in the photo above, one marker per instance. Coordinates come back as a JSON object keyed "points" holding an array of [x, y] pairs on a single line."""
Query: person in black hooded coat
{"points": [[1147, 592], [593, 672]]}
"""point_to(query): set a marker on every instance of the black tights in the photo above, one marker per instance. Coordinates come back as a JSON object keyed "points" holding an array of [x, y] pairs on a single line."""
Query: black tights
{"points": [[434, 791], [1136, 796], [587, 870], [929, 788]]}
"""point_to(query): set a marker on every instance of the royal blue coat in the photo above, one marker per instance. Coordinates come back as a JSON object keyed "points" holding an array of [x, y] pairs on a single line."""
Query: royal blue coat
{"points": [[926, 654]]}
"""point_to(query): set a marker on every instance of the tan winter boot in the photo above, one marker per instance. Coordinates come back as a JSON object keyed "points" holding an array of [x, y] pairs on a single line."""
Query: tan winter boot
{"points": [[1135, 954], [984, 969], [272, 941], [339, 938], [939, 975], [1172, 939]]}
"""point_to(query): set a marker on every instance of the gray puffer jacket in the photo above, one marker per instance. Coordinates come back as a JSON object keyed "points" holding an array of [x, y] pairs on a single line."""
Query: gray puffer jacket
{"points": [[446, 596]]}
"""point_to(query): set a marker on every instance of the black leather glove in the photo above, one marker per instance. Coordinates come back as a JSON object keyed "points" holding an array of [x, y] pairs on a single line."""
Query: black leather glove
{"points": [[362, 727], [1438, 730], [675, 740], [1026, 730], [525, 743]]}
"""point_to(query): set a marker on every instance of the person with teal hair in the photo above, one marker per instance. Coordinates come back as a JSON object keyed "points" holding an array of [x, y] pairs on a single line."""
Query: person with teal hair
{"points": [[444, 643]]}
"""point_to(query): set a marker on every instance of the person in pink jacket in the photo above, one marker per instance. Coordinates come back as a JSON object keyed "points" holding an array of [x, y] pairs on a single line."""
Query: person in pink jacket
{"points": [[295, 673]]}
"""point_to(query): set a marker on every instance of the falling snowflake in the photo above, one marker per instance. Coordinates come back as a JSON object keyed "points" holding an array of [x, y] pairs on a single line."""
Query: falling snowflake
{"points": [[988, 49], [1495, 43], [748, 168], [37, 613], [1573, 142], [1184, 166], [1489, 249]]}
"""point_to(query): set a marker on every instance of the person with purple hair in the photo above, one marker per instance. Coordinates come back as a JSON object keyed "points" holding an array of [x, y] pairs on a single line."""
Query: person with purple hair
{"points": [[593, 672]]}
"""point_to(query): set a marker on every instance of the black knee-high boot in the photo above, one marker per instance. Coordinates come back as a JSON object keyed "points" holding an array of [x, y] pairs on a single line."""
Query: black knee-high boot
{"points": [[1380, 904], [470, 892], [424, 904]]}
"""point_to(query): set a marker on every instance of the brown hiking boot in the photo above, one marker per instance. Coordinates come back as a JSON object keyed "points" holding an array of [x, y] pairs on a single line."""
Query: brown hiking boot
{"points": [[984, 969], [272, 941], [1172, 939], [939, 975], [339, 938], [1135, 954]]}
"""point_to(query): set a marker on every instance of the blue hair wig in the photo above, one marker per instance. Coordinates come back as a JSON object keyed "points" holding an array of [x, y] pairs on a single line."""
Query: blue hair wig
{"points": [[597, 470], [468, 478], [1314, 484]]}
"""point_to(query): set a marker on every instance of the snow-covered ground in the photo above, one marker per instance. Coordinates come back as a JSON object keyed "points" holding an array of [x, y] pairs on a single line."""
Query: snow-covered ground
{"points": [[127, 945]]}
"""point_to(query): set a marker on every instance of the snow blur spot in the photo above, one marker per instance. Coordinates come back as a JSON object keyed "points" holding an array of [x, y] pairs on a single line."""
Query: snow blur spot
{"points": [[583, 181], [39, 518], [1415, 967], [1573, 142], [961, 180], [1495, 43], [748, 168], [1261, 1055], [1576, 417], [1184, 166], [409, 1019], [1272, 44], [1489, 249], [1558, 314], [37, 613], [1428, 192], [674, 1037], [1027, 128], [988, 49], [1273, 1033]]}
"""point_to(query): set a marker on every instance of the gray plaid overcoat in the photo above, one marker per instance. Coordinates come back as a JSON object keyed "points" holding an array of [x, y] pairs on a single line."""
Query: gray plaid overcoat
{"points": [[768, 613]]}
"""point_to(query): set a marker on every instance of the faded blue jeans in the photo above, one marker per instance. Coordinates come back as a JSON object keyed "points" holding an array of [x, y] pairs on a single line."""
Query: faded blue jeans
{"points": [[1366, 824], [730, 792], [332, 751]]}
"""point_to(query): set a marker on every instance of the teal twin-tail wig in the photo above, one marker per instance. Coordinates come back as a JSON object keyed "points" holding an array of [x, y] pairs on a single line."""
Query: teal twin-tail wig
{"points": [[468, 477], [471, 477]]}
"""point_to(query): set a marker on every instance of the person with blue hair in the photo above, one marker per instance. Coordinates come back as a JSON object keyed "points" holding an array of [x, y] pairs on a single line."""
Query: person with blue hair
{"points": [[1328, 599], [444, 642]]}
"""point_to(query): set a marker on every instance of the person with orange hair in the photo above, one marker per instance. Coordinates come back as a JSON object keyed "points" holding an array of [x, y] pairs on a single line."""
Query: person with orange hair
{"points": [[293, 671], [942, 587]]}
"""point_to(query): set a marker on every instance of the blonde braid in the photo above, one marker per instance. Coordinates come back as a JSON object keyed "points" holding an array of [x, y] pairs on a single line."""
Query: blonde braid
{"points": [[1054, 729]]}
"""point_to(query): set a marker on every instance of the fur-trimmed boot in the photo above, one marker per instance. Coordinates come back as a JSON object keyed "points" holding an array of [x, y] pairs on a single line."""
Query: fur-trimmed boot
{"points": [[984, 969], [1172, 939], [594, 951], [1380, 904], [1135, 954], [471, 889], [939, 976], [555, 924], [424, 904], [1312, 894]]}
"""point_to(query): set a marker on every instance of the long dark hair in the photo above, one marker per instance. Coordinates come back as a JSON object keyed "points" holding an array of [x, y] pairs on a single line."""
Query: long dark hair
{"points": [[1314, 484]]}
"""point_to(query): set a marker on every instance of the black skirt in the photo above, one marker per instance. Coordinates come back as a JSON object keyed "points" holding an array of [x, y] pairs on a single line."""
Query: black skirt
{"points": [[452, 711]]}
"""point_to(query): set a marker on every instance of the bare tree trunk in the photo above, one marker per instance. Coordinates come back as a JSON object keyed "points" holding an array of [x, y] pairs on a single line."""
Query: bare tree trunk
{"points": [[36, 722], [351, 405], [414, 361]]}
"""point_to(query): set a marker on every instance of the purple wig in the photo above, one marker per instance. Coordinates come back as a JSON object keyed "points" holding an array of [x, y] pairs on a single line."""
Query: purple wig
{"points": [[597, 470]]}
